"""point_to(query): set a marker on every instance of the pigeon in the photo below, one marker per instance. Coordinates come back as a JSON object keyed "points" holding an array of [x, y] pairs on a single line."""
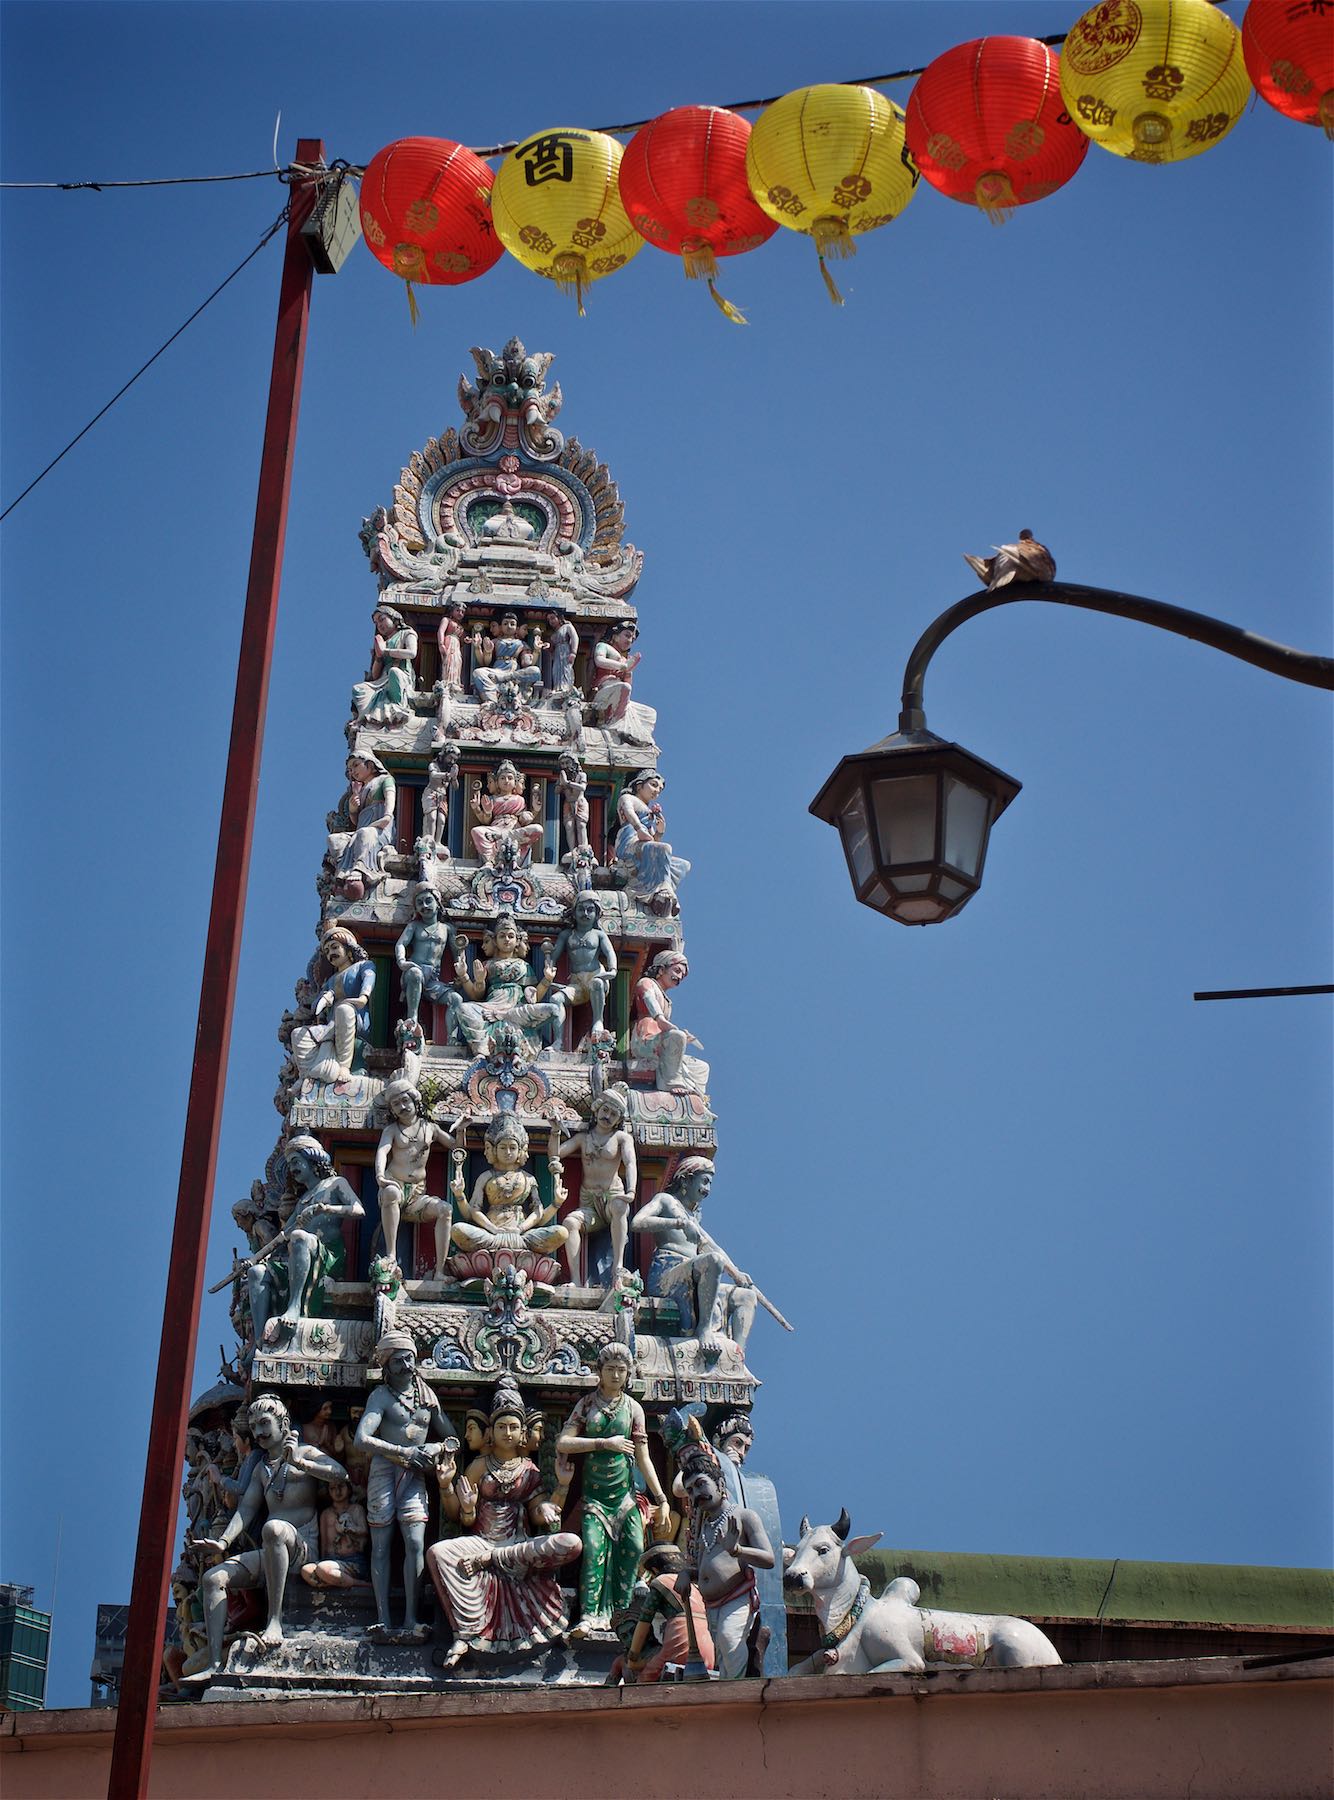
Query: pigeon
{"points": [[1028, 560]]}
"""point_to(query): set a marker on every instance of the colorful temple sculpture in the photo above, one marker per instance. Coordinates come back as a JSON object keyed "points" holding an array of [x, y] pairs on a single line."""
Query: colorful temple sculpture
{"points": [[490, 1411]]}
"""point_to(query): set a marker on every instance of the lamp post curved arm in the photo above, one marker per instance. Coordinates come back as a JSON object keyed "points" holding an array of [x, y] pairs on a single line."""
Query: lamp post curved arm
{"points": [[1278, 659]]}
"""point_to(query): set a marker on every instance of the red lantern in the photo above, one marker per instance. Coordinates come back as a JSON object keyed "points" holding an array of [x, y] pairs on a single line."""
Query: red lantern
{"points": [[683, 183], [1289, 51], [426, 213], [986, 125]]}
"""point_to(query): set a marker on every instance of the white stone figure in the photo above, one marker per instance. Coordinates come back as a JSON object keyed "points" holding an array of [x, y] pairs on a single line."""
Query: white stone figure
{"points": [[385, 697], [717, 1301], [400, 1170], [864, 1636], [607, 1150], [442, 777], [323, 1051], [613, 673], [657, 1047], [506, 1210], [283, 1485]]}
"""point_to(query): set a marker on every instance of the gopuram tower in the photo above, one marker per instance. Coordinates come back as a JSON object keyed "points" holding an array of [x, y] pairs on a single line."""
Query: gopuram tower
{"points": [[489, 1351]]}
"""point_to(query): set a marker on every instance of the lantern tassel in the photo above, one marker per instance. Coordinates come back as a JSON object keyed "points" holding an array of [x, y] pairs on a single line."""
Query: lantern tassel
{"points": [[414, 311], [830, 286], [700, 262], [569, 271], [995, 198], [726, 308]]}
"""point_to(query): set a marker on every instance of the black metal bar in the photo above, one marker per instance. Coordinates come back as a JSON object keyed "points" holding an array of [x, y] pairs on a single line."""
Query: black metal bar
{"points": [[1278, 659], [1261, 993]]}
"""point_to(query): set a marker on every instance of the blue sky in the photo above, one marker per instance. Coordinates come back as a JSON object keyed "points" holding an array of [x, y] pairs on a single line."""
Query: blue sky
{"points": [[1056, 1240]]}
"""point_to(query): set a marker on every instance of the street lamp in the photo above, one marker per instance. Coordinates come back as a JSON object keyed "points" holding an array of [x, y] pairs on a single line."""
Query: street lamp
{"points": [[914, 812]]}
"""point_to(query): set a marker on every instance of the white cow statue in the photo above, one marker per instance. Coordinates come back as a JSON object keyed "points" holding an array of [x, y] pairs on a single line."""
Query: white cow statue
{"points": [[865, 1636]]}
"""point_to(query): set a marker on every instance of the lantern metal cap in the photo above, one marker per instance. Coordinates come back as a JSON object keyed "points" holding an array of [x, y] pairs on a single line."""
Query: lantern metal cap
{"points": [[907, 747]]}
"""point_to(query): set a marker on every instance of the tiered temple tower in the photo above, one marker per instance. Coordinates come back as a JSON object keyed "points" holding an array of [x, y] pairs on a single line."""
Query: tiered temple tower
{"points": [[482, 1218]]}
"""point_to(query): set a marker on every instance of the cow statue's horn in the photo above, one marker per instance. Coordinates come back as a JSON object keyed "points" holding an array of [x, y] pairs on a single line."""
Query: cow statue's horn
{"points": [[805, 1525], [842, 1526]]}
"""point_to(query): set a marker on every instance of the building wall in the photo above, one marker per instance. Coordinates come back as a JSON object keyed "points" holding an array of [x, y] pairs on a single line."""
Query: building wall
{"points": [[1104, 1732]]}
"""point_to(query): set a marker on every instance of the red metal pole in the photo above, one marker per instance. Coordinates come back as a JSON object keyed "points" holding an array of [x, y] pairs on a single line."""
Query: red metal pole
{"points": [[132, 1751]]}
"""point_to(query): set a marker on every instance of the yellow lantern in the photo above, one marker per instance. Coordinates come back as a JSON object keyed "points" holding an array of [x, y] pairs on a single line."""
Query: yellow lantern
{"points": [[557, 207], [833, 162], [1154, 80]]}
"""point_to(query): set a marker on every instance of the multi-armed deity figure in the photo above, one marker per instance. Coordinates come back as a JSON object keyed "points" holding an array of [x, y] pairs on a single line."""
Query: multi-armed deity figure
{"points": [[283, 1486], [607, 1151], [401, 1421], [504, 987], [504, 814], [607, 1429], [400, 1170], [504, 658], [506, 1211], [324, 1049], [495, 1582]]}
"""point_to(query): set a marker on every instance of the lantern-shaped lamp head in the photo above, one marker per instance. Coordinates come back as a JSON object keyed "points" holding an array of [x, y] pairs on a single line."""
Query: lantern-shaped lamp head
{"points": [[914, 814]]}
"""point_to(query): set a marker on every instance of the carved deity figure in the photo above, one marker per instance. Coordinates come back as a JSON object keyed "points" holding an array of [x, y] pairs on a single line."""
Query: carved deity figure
{"points": [[613, 672], [442, 777], [572, 781], [283, 1486], [400, 1169], [420, 951], [371, 800], [344, 1535], [281, 1287], [564, 646], [726, 1543], [716, 1300], [495, 1582], [505, 656], [401, 1420], [324, 1050], [607, 1429], [506, 1210], [607, 1150], [449, 642], [641, 847], [657, 1047], [385, 697], [504, 987], [511, 399], [503, 812], [592, 960]]}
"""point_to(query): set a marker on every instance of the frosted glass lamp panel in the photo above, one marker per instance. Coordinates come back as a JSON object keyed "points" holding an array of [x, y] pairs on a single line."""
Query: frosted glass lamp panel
{"points": [[967, 817], [905, 817], [856, 835]]}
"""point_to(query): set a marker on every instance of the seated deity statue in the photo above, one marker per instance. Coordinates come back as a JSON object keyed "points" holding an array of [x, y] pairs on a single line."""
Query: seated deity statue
{"points": [[657, 1047], [503, 812], [505, 656], [325, 1049], [506, 1210], [716, 1300], [494, 1581], [284, 1488], [504, 987], [613, 672], [360, 855], [280, 1287], [641, 848], [385, 697]]}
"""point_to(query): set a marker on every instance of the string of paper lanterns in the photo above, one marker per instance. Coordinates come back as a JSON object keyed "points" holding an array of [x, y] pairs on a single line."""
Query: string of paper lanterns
{"points": [[996, 124]]}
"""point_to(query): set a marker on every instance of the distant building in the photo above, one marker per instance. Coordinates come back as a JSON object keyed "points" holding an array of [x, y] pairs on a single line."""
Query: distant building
{"points": [[25, 1644], [109, 1651]]}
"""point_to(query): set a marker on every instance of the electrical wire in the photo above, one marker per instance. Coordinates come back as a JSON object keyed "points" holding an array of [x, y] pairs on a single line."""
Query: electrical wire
{"points": [[276, 226]]}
